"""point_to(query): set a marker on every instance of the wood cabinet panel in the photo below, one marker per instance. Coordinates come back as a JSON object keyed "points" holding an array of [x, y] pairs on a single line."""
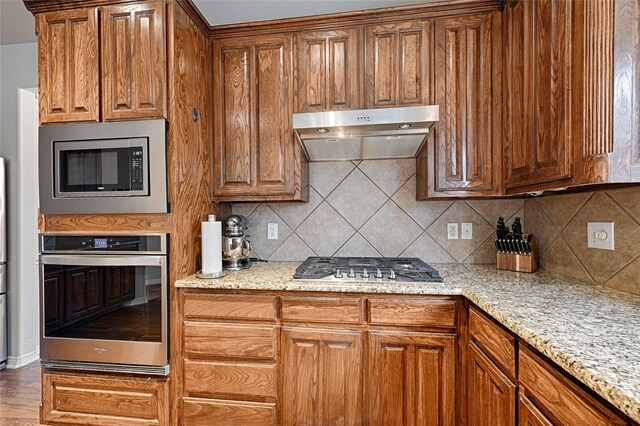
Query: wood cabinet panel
{"points": [[494, 341], [201, 412], [71, 399], [491, 396], [53, 288], [119, 284], [83, 292], [466, 142], [322, 309], [229, 340], [530, 415], [411, 379], [212, 306], [427, 312], [322, 377], [557, 396], [397, 64], [327, 70], [537, 92], [239, 379], [133, 61], [68, 65]]}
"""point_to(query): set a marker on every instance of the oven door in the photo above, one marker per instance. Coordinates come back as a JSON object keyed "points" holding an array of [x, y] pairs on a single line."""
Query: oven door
{"points": [[104, 309]]}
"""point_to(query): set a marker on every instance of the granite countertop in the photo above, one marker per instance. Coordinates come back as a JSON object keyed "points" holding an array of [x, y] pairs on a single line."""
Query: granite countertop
{"points": [[592, 332]]}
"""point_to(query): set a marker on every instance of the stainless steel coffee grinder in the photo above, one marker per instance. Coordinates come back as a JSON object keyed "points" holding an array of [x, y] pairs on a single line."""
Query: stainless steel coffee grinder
{"points": [[236, 247]]}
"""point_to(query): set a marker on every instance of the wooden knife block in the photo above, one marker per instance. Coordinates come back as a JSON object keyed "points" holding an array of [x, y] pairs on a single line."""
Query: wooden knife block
{"points": [[519, 262]]}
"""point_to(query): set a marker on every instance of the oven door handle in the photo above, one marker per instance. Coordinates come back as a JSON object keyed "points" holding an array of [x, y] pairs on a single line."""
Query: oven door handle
{"points": [[56, 259]]}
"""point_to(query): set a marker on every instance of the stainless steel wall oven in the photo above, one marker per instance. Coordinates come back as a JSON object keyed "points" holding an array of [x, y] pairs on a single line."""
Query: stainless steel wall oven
{"points": [[114, 167], [104, 302]]}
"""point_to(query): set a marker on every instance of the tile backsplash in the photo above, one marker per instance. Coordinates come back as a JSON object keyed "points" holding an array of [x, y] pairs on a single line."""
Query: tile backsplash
{"points": [[368, 208], [560, 225]]}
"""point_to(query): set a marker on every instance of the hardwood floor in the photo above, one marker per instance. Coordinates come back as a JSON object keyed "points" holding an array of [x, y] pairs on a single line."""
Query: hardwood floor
{"points": [[20, 396]]}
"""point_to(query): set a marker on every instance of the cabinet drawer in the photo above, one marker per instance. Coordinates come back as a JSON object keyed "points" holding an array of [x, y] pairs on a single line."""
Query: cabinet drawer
{"points": [[207, 412], [556, 394], [427, 313], [71, 398], [242, 379], [212, 306], [229, 340], [497, 343], [325, 309]]}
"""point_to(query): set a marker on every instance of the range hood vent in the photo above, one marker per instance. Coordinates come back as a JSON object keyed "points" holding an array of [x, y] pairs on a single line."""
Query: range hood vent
{"points": [[365, 133]]}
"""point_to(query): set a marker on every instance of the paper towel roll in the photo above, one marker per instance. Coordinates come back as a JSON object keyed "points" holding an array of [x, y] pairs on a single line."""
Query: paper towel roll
{"points": [[211, 246]]}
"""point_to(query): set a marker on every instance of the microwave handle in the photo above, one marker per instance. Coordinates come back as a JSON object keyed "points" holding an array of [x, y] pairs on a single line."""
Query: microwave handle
{"points": [[100, 260]]}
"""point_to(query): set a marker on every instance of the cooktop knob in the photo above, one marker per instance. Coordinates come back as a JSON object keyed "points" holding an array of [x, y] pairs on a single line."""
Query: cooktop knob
{"points": [[351, 274], [378, 273], [392, 275], [365, 274], [338, 274]]}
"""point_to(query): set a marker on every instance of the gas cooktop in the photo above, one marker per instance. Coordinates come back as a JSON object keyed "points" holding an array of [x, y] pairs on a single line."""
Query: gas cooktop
{"points": [[407, 270]]}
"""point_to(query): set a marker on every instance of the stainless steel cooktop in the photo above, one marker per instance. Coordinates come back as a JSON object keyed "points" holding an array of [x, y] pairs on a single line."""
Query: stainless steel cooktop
{"points": [[408, 270]]}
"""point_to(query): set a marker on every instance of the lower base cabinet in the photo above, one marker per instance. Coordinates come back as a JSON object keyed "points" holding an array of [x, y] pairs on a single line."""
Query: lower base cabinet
{"points": [[209, 412], [530, 415]]}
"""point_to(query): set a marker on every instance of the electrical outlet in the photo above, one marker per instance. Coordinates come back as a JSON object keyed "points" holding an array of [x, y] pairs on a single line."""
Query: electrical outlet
{"points": [[600, 235], [452, 231], [467, 231], [272, 231]]}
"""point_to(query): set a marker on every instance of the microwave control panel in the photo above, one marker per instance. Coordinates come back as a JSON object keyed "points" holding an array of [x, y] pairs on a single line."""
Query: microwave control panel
{"points": [[137, 168]]}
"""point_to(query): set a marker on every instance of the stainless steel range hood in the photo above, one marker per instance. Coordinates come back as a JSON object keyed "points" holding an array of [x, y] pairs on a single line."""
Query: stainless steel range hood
{"points": [[365, 133]]}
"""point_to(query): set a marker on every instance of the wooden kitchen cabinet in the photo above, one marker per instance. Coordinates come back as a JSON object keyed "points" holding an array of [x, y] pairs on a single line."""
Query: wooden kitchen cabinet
{"points": [[411, 378], [327, 70], [53, 289], [68, 65], [397, 64], [133, 60], [464, 152], [119, 284], [256, 155], [537, 137], [530, 415], [83, 293], [322, 376]]}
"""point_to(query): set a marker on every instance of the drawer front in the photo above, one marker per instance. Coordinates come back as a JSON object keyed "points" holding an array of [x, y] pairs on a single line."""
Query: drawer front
{"points": [[214, 306], [208, 412], [555, 393], [225, 378], [322, 309], [203, 339], [427, 313], [497, 343], [124, 401]]}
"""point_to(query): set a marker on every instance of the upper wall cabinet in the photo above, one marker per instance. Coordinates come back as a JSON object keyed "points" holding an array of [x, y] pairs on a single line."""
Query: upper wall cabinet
{"points": [[129, 43], [133, 61], [256, 154], [537, 92], [326, 70], [397, 64], [464, 151], [68, 65]]}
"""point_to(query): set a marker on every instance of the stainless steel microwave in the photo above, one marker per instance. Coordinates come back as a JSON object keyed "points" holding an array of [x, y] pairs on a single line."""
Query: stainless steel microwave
{"points": [[113, 167]]}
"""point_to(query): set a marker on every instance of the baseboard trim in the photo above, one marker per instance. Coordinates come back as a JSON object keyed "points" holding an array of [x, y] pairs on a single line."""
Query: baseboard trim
{"points": [[26, 359]]}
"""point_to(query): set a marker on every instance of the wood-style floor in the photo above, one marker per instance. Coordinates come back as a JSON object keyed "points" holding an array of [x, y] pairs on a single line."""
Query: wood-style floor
{"points": [[20, 396]]}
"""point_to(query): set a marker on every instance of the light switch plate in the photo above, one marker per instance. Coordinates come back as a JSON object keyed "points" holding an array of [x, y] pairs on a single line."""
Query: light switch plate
{"points": [[272, 231], [600, 235], [467, 231], [452, 231]]}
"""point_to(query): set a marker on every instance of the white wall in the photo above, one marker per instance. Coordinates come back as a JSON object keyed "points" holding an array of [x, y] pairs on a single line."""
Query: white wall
{"points": [[18, 69]]}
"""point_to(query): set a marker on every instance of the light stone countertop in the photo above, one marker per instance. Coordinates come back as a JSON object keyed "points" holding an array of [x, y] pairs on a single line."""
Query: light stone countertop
{"points": [[591, 331]]}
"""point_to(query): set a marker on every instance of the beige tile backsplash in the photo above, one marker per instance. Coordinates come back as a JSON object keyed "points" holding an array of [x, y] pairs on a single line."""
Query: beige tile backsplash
{"points": [[560, 225], [368, 208]]}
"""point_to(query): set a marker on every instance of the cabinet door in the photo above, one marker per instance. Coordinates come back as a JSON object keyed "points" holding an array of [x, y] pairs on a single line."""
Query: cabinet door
{"points": [[411, 379], [53, 300], [118, 284], [133, 61], [255, 148], [326, 71], [83, 293], [397, 64], [68, 65], [530, 415], [491, 395], [322, 377], [537, 88], [466, 150]]}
